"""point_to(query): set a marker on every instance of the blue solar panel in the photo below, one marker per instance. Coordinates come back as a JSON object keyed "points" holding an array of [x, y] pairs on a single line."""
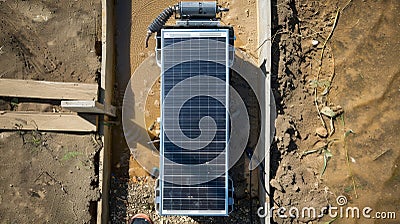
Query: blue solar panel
{"points": [[194, 95]]}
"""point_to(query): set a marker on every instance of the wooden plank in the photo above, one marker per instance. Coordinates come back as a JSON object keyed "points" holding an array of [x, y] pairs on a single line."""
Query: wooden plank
{"points": [[107, 90], [88, 106], [48, 90], [44, 122]]}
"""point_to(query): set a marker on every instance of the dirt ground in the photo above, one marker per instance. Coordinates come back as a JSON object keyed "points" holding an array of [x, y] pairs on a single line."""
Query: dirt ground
{"points": [[328, 55], [48, 177], [366, 48], [357, 79], [50, 40]]}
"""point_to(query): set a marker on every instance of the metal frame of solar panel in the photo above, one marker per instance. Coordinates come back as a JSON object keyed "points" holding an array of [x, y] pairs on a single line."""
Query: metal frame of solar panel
{"points": [[181, 189]]}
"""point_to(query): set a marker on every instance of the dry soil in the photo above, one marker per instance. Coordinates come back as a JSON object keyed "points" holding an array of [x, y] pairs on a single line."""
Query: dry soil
{"points": [[48, 177]]}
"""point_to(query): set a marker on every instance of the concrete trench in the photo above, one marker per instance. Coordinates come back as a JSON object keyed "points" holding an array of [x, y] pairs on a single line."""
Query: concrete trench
{"points": [[116, 72]]}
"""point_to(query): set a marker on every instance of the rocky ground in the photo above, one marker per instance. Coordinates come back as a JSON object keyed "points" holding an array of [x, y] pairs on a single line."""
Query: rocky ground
{"points": [[300, 30], [140, 199]]}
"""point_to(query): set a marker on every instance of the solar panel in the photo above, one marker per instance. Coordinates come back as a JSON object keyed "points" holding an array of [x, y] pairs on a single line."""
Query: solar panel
{"points": [[194, 122]]}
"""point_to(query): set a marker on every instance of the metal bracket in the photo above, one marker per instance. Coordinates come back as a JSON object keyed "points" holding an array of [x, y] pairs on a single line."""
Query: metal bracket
{"points": [[89, 106]]}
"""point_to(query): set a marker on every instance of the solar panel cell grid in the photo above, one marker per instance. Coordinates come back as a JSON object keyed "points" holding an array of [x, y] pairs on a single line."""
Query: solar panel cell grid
{"points": [[191, 184]]}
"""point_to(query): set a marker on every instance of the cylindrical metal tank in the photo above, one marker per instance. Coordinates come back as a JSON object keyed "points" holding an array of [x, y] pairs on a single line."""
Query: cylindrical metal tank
{"points": [[194, 10]]}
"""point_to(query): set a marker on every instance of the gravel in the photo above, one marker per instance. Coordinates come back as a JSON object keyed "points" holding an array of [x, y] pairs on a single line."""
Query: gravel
{"points": [[129, 197]]}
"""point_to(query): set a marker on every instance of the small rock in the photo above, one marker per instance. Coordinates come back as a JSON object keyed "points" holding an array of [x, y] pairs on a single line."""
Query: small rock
{"points": [[11, 185], [157, 103], [321, 132], [274, 183], [338, 110], [286, 140], [315, 42]]}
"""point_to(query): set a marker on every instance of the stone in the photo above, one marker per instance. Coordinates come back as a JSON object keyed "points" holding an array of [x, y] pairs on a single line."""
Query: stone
{"points": [[321, 132], [274, 183]]}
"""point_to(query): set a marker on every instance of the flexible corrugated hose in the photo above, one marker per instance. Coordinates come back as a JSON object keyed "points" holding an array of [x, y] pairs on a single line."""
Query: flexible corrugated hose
{"points": [[159, 22]]}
